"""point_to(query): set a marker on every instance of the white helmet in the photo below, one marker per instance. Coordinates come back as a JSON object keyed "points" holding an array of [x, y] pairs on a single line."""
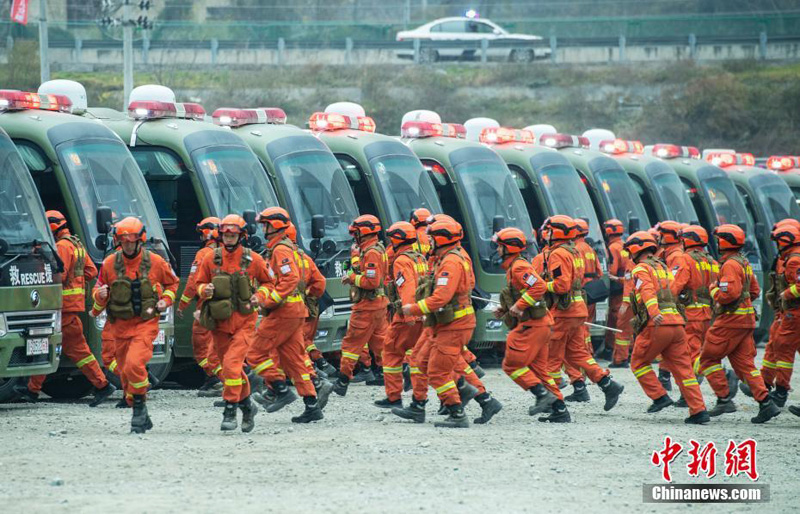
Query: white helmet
{"points": [[475, 126]]}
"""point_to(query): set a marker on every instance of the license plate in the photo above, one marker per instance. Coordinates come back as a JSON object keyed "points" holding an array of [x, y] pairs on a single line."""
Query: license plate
{"points": [[39, 346], [160, 339], [601, 312]]}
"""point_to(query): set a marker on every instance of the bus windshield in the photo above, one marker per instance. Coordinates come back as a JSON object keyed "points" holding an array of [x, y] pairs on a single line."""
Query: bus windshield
{"points": [[617, 191], [102, 172], [490, 192], [774, 198], [233, 179], [21, 215], [566, 194], [404, 185], [671, 193], [315, 185]]}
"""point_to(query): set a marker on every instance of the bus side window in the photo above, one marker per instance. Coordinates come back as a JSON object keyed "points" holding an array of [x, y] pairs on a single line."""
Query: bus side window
{"points": [[360, 187], [641, 190], [592, 195], [446, 193], [702, 213], [749, 207], [42, 172], [525, 186]]}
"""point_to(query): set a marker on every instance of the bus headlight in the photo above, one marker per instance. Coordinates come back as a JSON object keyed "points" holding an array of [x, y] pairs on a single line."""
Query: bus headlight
{"points": [[57, 327], [327, 313], [3, 326], [100, 320]]}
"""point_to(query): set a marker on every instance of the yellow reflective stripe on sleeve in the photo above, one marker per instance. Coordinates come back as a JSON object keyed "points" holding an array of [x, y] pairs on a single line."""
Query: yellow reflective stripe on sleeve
{"points": [[310, 348], [275, 296], [393, 369], [86, 360], [755, 373], [622, 342], [714, 292], [217, 369], [170, 294], [769, 364], [669, 311], [691, 382], [744, 311], [358, 280], [578, 298], [415, 370], [185, 299], [97, 307], [651, 302], [231, 382], [641, 371], [73, 291], [203, 363], [306, 376], [626, 299], [530, 301], [518, 373], [794, 291], [295, 298], [140, 385], [264, 365], [784, 365], [696, 365], [551, 286], [711, 369], [112, 366], [591, 362], [551, 382], [463, 312], [423, 307], [468, 370], [409, 352], [264, 290], [351, 356], [446, 387]]}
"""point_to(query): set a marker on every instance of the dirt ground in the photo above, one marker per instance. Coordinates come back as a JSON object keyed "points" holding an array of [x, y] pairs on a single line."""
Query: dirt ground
{"points": [[67, 457]]}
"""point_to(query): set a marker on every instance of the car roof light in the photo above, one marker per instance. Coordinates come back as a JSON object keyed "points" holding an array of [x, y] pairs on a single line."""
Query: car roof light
{"points": [[154, 110], [454, 130], [229, 117], [330, 121], [190, 111], [420, 129], [783, 162], [501, 135], [19, 100], [667, 151], [721, 159], [745, 159], [564, 141], [620, 146]]}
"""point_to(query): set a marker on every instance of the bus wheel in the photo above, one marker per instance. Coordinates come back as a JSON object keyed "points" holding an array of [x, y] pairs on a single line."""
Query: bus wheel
{"points": [[7, 388], [67, 387], [189, 376]]}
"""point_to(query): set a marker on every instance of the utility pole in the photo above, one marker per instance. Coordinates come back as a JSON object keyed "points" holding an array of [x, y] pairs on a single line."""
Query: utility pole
{"points": [[128, 22], [44, 60], [127, 53]]}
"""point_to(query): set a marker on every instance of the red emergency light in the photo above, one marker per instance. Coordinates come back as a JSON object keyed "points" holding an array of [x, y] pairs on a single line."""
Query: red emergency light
{"points": [[501, 135], [154, 110], [454, 130], [783, 162], [564, 141], [330, 121], [190, 111], [620, 146], [721, 159], [419, 129], [20, 100], [674, 151], [227, 117], [745, 159]]}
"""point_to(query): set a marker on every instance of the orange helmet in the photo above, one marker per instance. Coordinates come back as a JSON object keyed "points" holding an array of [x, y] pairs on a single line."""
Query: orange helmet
{"points": [[445, 232], [729, 237], [365, 225], [275, 217], [562, 228], [639, 242], [419, 217], [291, 232], [208, 228], [582, 227], [512, 239], [232, 223], [613, 227], [694, 236], [130, 229], [56, 220], [402, 233], [788, 221], [654, 232], [786, 235], [669, 232]]}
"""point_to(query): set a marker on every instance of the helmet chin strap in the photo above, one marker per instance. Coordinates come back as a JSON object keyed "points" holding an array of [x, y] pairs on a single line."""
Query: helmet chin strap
{"points": [[135, 252]]}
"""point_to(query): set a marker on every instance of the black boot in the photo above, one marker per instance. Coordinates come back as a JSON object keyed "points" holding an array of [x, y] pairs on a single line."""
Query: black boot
{"points": [[558, 414], [623, 364], [681, 402], [665, 378], [766, 411], [312, 413], [744, 387], [544, 400], [25, 394], [325, 366], [229, 417], [489, 407], [612, 390], [407, 385], [733, 383], [249, 411], [660, 403], [466, 391], [140, 421], [386, 403], [701, 418], [579, 393], [341, 384], [723, 406], [122, 404], [779, 395], [324, 389], [102, 395], [377, 376], [476, 367], [795, 409], [456, 419], [414, 412], [362, 374], [154, 382], [283, 396], [211, 387]]}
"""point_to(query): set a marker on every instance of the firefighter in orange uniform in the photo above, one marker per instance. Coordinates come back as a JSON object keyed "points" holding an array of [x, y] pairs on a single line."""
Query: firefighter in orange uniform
{"points": [[524, 311], [226, 281], [448, 305], [78, 269], [564, 282], [618, 267], [659, 327], [731, 333], [787, 299], [137, 286], [368, 321], [202, 340], [405, 268]]}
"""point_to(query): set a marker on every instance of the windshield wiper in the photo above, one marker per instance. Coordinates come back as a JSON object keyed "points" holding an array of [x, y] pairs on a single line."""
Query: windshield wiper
{"points": [[33, 244], [333, 258]]}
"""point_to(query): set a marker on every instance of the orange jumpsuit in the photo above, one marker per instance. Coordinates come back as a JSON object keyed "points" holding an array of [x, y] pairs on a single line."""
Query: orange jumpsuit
{"points": [[133, 338], [787, 336], [280, 332], [731, 333], [693, 270], [405, 270], [233, 336], [567, 341], [769, 366], [615, 270], [623, 340], [202, 340], [368, 322], [454, 280], [315, 287], [527, 345], [73, 295], [667, 339], [591, 271]]}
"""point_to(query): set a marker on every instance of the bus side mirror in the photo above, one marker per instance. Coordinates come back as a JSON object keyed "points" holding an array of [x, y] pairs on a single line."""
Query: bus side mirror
{"points": [[633, 224], [249, 217], [317, 226], [104, 218], [101, 242], [497, 224]]}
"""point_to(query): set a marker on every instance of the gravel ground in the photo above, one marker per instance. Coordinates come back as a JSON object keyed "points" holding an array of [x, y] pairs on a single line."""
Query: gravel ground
{"points": [[66, 457]]}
